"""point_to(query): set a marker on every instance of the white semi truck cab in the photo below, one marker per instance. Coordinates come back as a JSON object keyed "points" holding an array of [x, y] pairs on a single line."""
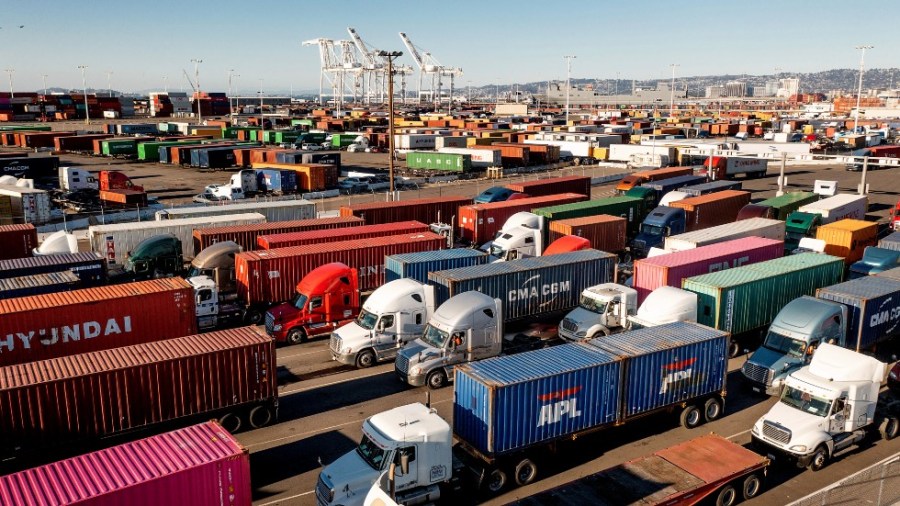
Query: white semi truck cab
{"points": [[522, 236], [826, 407], [393, 315]]}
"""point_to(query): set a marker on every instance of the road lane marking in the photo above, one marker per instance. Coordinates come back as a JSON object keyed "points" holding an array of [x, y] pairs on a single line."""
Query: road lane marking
{"points": [[738, 434], [305, 389], [276, 501]]}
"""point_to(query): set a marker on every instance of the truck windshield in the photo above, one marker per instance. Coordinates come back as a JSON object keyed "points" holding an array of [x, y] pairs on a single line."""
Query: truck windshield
{"points": [[194, 271], [498, 251], [366, 320], [781, 343], [299, 300], [435, 337], [371, 453], [651, 229], [807, 402], [592, 304]]}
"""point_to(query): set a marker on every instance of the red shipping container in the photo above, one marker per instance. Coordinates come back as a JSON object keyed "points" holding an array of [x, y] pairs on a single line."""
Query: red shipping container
{"points": [[271, 276], [201, 464], [556, 185], [228, 374], [78, 142], [339, 234], [712, 209], [479, 223], [669, 270], [65, 323], [424, 210], [17, 241], [246, 235], [605, 232], [124, 198]]}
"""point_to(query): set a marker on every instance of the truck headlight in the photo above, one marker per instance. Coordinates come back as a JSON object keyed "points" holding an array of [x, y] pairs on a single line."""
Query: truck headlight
{"points": [[415, 370], [892, 374], [276, 327], [798, 448], [754, 430], [581, 333]]}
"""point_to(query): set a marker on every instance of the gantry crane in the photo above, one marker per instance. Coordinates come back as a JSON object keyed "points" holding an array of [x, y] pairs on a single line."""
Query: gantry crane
{"points": [[375, 67], [428, 65]]}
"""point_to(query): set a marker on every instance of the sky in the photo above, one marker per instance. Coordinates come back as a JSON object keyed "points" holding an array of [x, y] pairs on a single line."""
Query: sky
{"points": [[494, 41]]}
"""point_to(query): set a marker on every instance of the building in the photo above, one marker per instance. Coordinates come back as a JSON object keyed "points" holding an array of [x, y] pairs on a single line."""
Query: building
{"points": [[788, 87], [715, 91], [735, 89], [556, 94]]}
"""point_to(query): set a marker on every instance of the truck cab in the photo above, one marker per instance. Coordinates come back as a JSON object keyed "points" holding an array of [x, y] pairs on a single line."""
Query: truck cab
{"points": [[874, 260], [326, 298], [467, 327], [662, 222], [522, 236], [755, 211], [601, 309], [393, 315], [159, 256], [567, 244], [797, 226]]}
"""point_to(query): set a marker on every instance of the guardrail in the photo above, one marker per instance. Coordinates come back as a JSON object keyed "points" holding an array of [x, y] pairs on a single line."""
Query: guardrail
{"points": [[878, 484]]}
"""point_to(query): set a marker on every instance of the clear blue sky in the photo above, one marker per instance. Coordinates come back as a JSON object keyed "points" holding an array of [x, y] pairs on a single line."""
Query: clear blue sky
{"points": [[494, 41]]}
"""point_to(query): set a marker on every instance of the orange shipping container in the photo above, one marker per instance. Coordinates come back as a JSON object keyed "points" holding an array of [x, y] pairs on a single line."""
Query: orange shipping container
{"points": [[605, 232], [848, 238], [712, 209]]}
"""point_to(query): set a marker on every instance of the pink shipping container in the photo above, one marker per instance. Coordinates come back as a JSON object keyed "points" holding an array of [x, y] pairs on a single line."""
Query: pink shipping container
{"points": [[670, 269], [340, 234], [246, 235], [424, 210], [271, 276], [202, 464], [17, 241], [567, 184], [479, 223]]}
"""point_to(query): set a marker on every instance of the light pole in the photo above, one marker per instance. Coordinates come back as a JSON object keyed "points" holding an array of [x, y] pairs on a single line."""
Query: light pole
{"points": [[672, 92], [10, 73], [862, 56], [109, 74], [390, 56], [87, 114], [44, 80], [262, 117], [496, 95], [568, 59], [469, 91], [166, 84], [197, 62], [231, 75]]}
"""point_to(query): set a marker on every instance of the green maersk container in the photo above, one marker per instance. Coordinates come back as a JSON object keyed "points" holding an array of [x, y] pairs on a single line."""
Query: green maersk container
{"points": [[447, 162], [115, 147], [789, 202], [343, 140], [630, 208], [747, 298], [149, 151]]}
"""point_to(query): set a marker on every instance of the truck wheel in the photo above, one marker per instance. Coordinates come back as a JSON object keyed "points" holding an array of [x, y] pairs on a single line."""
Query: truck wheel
{"points": [[365, 358], [253, 317], [752, 486], [888, 428], [819, 459], [690, 417], [712, 409], [526, 472], [727, 496], [436, 379], [260, 416], [496, 480], [734, 349], [230, 422], [296, 336]]}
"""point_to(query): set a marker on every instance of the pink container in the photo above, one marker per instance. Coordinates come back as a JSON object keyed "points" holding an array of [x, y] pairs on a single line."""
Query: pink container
{"points": [[670, 269], [202, 464]]}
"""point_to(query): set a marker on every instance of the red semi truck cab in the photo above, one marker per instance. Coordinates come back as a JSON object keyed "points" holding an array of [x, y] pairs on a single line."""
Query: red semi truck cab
{"points": [[895, 218], [326, 298], [115, 180]]}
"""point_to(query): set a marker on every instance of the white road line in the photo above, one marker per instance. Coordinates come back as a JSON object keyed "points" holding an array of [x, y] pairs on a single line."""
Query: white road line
{"points": [[276, 501], [738, 434], [304, 389]]}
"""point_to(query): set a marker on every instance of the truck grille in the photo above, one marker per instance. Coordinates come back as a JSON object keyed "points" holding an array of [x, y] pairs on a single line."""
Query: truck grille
{"points": [[757, 373], [270, 323], [402, 364], [776, 433], [324, 494], [569, 325], [335, 343]]}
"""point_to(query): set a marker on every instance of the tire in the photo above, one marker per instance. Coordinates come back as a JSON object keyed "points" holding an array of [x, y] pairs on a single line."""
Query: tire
{"points": [[253, 317], [365, 358], [751, 487], [712, 409], [231, 422], [604, 332], [436, 379], [691, 417], [819, 460], [260, 416], [734, 349], [495, 481], [296, 336], [727, 496], [526, 472], [888, 428]]}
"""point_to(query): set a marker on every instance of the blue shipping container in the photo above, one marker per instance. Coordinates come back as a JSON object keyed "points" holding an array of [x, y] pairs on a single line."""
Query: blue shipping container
{"points": [[508, 403], [38, 284], [275, 180], [215, 157], [417, 265], [873, 305], [138, 128], [163, 154], [664, 186], [89, 267], [711, 187], [668, 364]]}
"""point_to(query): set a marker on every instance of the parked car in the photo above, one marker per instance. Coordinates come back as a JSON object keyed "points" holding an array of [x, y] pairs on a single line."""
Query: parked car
{"points": [[309, 146]]}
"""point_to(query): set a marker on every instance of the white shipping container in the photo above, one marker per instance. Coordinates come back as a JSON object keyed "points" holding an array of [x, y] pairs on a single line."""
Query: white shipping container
{"points": [[414, 141], [28, 205], [110, 114], [624, 152], [115, 241], [598, 140], [567, 148], [839, 207], [756, 227], [480, 157], [456, 141], [278, 210]]}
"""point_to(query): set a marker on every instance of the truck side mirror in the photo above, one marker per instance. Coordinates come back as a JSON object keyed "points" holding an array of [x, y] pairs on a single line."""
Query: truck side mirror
{"points": [[404, 463]]}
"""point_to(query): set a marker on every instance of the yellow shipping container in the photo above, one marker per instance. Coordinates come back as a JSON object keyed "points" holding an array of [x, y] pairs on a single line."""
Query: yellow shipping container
{"points": [[848, 238], [808, 129], [600, 153], [214, 132]]}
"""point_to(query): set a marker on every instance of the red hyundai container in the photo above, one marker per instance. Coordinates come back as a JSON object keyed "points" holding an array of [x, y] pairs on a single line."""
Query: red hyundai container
{"points": [[479, 223], [424, 210], [78, 142], [201, 464], [605, 232], [246, 235], [712, 209], [566, 184], [80, 321], [229, 375], [271, 276], [17, 241], [670, 269], [338, 234]]}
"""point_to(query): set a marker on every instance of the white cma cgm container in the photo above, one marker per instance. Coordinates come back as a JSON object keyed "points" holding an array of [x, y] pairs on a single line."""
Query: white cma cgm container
{"points": [[115, 241], [278, 210], [28, 205], [414, 141], [839, 207], [480, 157], [753, 227]]}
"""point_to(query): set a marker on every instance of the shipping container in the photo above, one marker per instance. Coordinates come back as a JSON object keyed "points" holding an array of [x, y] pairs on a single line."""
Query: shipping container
{"points": [[633, 209], [417, 265], [553, 186], [201, 464], [873, 305], [891, 242], [224, 374], [664, 186], [246, 235], [606, 233], [65, 323], [479, 223], [711, 187], [784, 205], [88, 266], [838, 207], [39, 168], [28, 205], [753, 227], [115, 241], [278, 210], [480, 158], [531, 286], [890, 274], [38, 284], [124, 198], [17, 241], [712, 209], [432, 210], [281, 181], [444, 162], [848, 238], [267, 242]]}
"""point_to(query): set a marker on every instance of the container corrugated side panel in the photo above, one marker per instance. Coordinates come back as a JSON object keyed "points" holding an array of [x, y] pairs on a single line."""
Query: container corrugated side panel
{"points": [[890, 274], [417, 265], [88, 266], [38, 284], [424, 210], [508, 403], [668, 364], [273, 241], [279, 210], [17, 241], [574, 184], [606, 233], [711, 187], [246, 235], [758, 227], [874, 308], [480, 223], [891, 242], [200, 464]]}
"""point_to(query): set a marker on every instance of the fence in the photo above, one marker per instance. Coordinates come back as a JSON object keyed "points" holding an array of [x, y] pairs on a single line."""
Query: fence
{"points": [[876, 485]]}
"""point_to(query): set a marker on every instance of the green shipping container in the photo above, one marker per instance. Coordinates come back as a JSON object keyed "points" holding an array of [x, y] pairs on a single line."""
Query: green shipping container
{"points": [[307, 122], [630, 208], [119, 147], [149, 151], [447, 162], [746, 299], [343, 140], [788, 203]]}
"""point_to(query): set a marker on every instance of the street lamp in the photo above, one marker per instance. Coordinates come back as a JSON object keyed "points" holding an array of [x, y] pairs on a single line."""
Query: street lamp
{"points": [[862, 56], [109, 74], [262, 117], [672, 92], [87, 114], [44, 80], [231, 75], [10, 73], [197, 63], [390, 56], [568, 84]]}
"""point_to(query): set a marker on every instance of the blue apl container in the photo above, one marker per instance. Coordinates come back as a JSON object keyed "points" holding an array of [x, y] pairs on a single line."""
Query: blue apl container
{"points": [[138, 128], [417, 265], [668, 364], [873, 304], [163, 154], [509, 403]]}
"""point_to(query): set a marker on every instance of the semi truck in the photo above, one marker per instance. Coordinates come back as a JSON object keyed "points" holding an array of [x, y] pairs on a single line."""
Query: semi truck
{"points": [[645, 176], [725, 167], [699, 189], [805, 221], [777, 208], [873, 261], [662, 187], [685, 363], [525, 235], [857, 314], [827, 407]]}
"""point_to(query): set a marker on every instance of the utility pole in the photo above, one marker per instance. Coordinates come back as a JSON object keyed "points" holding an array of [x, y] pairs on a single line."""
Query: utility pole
{"points": [[166, 84], [87, 114], [197, 63], [672, 92], [568, 82], [231, 75], [262, 117], [862, 56], [390, 56], [10, 73], [44, 80], [109, 74]]}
